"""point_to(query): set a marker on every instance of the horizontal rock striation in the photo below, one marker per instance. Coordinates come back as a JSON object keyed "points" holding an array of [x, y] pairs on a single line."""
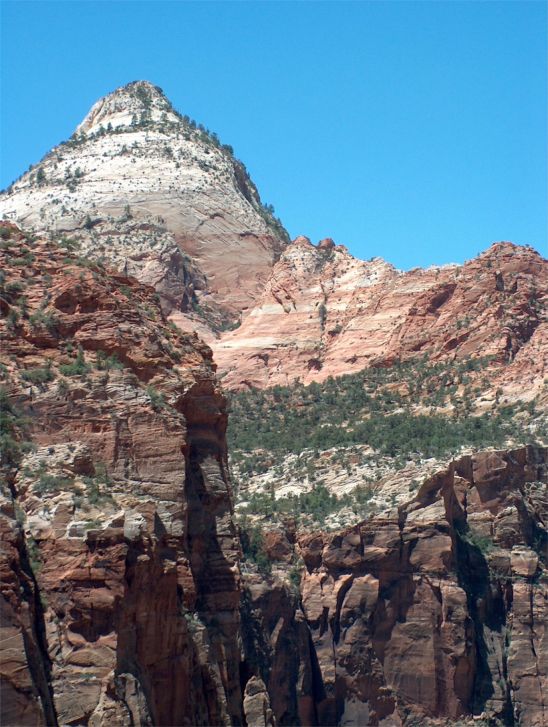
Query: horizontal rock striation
{"points": [[153, 195], [122, 598], [325, 313]]}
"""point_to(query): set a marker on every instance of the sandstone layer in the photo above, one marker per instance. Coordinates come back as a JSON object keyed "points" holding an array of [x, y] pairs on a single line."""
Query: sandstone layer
{"points": [[119, 565], [325, 313], [160, 199], [434, 616], [122, 592]]}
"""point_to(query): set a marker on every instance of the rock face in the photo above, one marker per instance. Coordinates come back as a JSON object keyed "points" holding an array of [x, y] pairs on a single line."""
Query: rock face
{"points": [[122, 595], [159, 199], [438, 614], [120, 582], [325, 313]]}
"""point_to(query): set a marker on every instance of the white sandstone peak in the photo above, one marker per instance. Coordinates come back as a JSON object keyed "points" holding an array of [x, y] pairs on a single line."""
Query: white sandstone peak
{"points": [[157, 196], [137, 102]]}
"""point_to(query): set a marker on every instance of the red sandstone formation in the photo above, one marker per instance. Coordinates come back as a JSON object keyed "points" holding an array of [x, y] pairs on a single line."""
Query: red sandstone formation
{"points": [[324, 313], [437, 615], [120, 583], [121, 591]]}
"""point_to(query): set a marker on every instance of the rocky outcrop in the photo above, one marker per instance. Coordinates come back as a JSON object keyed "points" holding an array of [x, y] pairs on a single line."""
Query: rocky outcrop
{"points": [[121, 592], [257, 705], [436, 614], [325, 313], [146, 190], [120, 581]]}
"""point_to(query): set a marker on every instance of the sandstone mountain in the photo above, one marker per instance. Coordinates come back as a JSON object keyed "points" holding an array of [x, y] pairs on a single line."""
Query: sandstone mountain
{"points": [[325, 313], [112, 438], [345, 523], [159, 198], [125, 596]]}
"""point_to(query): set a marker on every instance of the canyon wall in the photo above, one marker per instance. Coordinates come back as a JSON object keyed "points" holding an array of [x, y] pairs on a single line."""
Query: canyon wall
{"points": [[435, 616], [124, 596], [325, 313], [120, 581]]}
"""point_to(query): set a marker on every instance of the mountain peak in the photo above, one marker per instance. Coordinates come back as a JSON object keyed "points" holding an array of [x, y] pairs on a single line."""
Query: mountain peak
{"points": [[136, 102]]}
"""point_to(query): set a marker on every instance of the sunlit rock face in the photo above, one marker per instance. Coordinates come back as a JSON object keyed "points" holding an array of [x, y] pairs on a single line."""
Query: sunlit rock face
{"points": [[433, 615], [159, 199], [125, 597], [325, 313]]}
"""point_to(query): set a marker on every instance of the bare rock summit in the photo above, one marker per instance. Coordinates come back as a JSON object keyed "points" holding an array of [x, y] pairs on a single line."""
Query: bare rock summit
{"points": [[157, 196]]}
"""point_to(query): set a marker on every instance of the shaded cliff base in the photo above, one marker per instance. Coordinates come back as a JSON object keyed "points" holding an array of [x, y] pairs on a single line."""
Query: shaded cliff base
{"points": [[435, 616]]}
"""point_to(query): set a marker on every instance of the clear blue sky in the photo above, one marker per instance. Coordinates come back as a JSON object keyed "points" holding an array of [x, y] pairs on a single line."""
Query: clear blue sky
{"points": [[413, 130]]}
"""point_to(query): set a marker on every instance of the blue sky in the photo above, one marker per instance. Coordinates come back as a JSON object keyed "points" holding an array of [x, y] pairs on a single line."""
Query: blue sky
{"points": [[411, 130]]}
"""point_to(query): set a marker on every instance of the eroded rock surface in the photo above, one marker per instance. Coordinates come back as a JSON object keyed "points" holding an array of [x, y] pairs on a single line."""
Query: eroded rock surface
{"points": [[160, 199], [121, 592], [120, 580], [325, 313], [437, 614]]}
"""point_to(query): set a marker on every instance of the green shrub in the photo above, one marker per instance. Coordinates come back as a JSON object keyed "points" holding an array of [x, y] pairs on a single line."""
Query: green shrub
{"points": [[482, 542], [322, 312], [42, 319], [95, 483], [24, 261], [12, 319], [126, 291], [12, 432], [252, 540], [52, 483], [12, 290], [105, 362], [77, 368], [33, 554], [295, 577], [68, 243], [62, 387], [38, 375], [157, 400]]}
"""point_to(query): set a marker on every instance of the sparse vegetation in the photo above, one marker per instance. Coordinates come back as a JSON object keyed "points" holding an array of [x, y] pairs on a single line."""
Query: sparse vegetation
{"points": [[44, 319], [40, 375], [252, 540], [105, 362], [157, 400], [97, 485], [77, 368], [13, 442], [48, 483]]}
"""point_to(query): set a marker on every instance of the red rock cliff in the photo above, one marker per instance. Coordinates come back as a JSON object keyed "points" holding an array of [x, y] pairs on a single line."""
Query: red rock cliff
{"points": [[120, 581], [437, 615], [122, 599], [324, 313]]}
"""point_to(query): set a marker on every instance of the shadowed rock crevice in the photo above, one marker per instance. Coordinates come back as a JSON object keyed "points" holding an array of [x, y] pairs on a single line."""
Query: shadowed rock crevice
{"points": [[35, 640]]}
